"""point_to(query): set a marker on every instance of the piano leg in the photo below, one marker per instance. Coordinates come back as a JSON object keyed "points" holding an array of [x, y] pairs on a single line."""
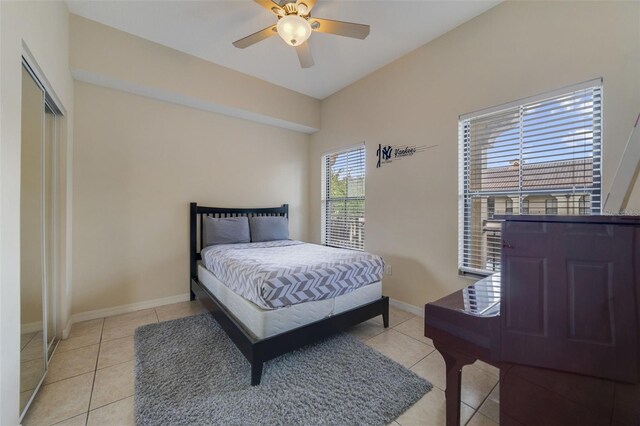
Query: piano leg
{"points": [[454, 362]]}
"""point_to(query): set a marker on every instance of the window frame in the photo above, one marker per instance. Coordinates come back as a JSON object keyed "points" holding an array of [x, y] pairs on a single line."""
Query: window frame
{"points": [[582, 205], [508, 206], [491, 207], [465, 194], [326, 199]]}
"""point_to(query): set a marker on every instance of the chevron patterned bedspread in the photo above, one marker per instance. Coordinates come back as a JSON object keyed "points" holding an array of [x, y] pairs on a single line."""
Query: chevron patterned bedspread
{"points": [[276, 274]]}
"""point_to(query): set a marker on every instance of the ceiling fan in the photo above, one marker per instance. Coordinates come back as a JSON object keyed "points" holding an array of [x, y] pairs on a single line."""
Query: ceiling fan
{"points": [[295, 25]]}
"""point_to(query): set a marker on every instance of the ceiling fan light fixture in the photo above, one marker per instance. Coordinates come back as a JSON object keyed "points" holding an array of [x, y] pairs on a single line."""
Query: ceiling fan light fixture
{"points": [[294, 29], [303, 9]]}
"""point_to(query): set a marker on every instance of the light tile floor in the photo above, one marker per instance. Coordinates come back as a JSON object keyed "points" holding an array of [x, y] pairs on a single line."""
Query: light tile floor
{"points": [[31, 364], [405, 343], [90, 379]]}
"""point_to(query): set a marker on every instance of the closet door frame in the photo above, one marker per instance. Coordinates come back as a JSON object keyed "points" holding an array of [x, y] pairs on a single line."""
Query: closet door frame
{"points": [[51, 101], [62, 176]]}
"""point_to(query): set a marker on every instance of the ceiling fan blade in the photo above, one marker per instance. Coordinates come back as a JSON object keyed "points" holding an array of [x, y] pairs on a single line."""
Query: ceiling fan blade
{"points": [[346, 29], [304, 55], [309, 3], [271, 6], [255, 37]]}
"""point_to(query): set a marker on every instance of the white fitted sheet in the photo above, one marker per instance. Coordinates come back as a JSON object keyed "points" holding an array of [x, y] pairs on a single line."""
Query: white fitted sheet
{"points": [[266, 323]]}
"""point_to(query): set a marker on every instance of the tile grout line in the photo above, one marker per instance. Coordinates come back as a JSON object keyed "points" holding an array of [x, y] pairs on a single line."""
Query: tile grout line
{"points": [[122, 337], [113, 365], [393, 328], [420, 360], [405, 334], [57, 423], [73, 349], [472, 415], [426, 344], [375, 335], [67, 378], [417, 340], [117, 363], [485, 399], [386, 330], [95, 369], [477, 410], [158, 320], [94, 378], [27, 344], [95, 373], [401, 322], [111, 403]]}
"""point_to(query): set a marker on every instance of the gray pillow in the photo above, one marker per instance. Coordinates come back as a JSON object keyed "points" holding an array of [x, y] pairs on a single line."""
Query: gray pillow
{"points": [[268, 228], [226, 230]]}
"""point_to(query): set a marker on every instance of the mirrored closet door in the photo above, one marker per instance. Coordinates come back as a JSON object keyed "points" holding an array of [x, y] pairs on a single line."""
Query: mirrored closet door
{"points": [[48, 171], [37, 239]]}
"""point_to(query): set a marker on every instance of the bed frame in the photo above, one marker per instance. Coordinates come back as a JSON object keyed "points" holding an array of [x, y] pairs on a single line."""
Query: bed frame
{"points": [[259, 351]]}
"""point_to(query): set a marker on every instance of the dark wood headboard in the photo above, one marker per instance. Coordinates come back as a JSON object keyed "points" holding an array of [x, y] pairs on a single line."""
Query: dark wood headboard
{"points": [[197, 213]]}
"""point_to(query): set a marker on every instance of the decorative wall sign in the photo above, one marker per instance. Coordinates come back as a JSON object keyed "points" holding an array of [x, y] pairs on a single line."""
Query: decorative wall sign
{"points": [[388, 153]]}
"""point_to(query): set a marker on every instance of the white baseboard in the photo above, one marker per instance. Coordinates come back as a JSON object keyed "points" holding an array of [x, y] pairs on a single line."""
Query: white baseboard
{"points": [[415, 310], [147, 304], [31, 327], [123, 309], [67, 329]]}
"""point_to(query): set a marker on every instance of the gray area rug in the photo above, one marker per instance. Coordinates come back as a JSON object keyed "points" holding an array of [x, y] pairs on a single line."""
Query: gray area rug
{"points": [[189, 372]]}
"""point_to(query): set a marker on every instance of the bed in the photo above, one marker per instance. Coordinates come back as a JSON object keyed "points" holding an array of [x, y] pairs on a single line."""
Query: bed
{"points": [[295, 301]]}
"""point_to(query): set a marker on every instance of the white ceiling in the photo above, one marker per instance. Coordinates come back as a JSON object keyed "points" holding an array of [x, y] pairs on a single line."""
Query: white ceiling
{"points": [[206, 29]]}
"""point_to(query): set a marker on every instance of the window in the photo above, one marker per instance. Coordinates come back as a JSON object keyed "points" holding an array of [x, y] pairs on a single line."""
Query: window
{"points": [[542, 154], [491, 207], [508, 206], [584, 205], [343, 178], [551, 206]]}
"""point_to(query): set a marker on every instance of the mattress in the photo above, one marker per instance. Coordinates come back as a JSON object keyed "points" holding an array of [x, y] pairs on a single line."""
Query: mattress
{"points": [[262, 323], [281, 273]]}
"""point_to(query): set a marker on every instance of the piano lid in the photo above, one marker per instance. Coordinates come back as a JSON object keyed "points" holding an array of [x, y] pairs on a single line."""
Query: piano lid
{"points": [[483, 298]]}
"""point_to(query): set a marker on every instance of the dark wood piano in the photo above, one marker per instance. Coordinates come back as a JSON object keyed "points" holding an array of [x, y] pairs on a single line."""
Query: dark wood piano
{"points": [[561, 321]]}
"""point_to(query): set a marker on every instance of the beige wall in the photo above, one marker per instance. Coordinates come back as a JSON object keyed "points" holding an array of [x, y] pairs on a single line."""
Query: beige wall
{"points": [[113, 58], [40, 28], [515, 50], [138, 162]]}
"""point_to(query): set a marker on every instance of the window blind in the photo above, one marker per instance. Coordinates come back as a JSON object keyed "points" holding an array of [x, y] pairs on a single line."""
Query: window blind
{"points": [[343, 201], [537, 156]]}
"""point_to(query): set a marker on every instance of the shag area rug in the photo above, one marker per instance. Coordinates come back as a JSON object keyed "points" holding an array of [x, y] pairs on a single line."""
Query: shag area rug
{"points": [[189, 372]]}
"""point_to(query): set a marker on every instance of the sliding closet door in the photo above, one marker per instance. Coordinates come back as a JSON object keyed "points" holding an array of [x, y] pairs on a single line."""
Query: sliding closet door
{"points": [[33, 352], [38, 310], [48, 170]]}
